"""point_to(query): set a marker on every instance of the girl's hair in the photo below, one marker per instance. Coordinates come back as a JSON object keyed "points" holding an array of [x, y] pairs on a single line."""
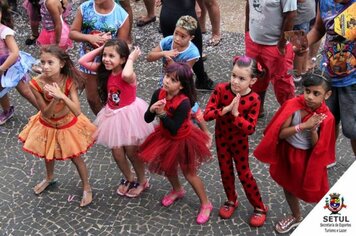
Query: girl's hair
{"points": [[256, 69], [184, 74], [103, 74], [188, 23], [6, 17], [68, 69], [316, 79]]}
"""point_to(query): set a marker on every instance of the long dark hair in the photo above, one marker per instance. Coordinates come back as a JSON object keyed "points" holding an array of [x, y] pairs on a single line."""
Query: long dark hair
{"points": [[6, 17], [184, 74], [103, 74], [68, 69]]}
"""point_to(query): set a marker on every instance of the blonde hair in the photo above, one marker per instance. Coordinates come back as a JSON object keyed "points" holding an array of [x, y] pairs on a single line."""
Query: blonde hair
{"points": [[188, 23]]}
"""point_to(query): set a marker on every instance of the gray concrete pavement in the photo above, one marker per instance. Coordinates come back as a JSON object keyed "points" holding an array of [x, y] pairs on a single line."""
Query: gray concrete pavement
{"points": [[24, 213]]}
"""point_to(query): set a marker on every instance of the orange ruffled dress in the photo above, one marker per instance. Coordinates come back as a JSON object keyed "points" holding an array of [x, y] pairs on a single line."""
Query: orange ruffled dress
{"points": [[58, 138]]}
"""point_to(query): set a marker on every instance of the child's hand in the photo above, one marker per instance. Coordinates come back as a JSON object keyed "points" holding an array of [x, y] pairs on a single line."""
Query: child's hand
{"points": [[314, 121], [135, 54], [99, 39], [158, 3], [54, 90], [158, 107], [235, 107], [169, 55]]}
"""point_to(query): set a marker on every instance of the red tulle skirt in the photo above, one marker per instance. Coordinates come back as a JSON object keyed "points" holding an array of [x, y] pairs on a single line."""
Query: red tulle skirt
{"points": [[164, 154], [290, 170]]}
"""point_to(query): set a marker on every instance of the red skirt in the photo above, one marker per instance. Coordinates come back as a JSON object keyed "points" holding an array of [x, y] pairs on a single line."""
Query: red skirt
{"points": [[163, 153], [289, 172]]}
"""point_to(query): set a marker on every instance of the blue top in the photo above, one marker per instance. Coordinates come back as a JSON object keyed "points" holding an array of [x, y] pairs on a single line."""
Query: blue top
{"points": [[190, 53], [94, 22], [339, 53]]}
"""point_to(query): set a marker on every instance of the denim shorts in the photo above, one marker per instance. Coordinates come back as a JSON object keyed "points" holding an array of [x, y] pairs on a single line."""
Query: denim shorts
{"points": [[342, 103], [303, 26]]}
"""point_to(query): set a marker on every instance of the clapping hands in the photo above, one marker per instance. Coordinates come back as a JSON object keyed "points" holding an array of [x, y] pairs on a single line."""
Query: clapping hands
{"points": [[314, 121]]}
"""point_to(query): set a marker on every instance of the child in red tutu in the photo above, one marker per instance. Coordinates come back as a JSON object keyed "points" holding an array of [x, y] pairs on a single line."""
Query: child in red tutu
{"points": [[176, 141], [299, 143], [121, 125], [54, 29], [235, 108], [59, 131]]}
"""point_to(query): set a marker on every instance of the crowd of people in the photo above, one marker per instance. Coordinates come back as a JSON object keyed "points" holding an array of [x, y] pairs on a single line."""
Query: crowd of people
{"points": [[170, 134]]}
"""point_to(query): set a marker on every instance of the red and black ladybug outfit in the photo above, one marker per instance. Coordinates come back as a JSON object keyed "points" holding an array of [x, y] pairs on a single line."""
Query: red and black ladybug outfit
{"points": [[231, 137], [176, 141]]}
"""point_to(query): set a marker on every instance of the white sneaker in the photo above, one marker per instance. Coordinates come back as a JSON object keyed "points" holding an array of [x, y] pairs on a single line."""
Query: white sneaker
{"points": [[331, 165]]}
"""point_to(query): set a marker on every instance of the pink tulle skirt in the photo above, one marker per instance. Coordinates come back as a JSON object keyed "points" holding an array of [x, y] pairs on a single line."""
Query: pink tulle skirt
{"points": [[49, 37], [124, 126], [165, 154]]}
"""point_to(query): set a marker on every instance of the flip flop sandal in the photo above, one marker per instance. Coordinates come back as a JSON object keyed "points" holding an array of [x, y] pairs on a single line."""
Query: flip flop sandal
{"points": [[142, 22], [287, 223], [87, 198], [136, 189], [124, 184], [214, 41], [31, 40], [43, 185]]}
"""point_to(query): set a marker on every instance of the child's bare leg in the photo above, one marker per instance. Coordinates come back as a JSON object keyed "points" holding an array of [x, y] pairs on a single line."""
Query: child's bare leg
{"points": [[25, 91], [41, 186], [138, 165], [5, 103], [293, 203], [83, 173], [122, 163], [198, 187]]}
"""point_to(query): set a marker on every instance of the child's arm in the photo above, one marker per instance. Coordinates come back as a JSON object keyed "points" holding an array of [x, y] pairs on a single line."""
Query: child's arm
{"points": [[150, 114], [87, 60], [128, 73], [47, 110], [72, 103], [214, 109], [53, 9], [13, 53], [311, 124], [157, 53], [179, 115]]}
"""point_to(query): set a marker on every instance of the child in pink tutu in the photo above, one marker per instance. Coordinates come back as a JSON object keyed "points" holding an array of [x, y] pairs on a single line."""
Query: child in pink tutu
{"points": [[121, 124], [54, 29], [176, 141]]}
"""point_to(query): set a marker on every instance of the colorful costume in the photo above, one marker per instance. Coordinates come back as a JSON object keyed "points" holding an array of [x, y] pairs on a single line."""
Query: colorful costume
{"points": [[231, 136], [301, 172], [121, 121], [48, 35], [95, 23], [176, 141], [15, 73], [58, 138]]}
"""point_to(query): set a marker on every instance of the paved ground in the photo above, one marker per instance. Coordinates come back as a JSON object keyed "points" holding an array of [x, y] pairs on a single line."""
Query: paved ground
{"points": [[23, 213]]}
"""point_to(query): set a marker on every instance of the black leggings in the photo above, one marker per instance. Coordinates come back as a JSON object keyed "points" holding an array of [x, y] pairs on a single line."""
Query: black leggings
{"points": [[168, 20]]}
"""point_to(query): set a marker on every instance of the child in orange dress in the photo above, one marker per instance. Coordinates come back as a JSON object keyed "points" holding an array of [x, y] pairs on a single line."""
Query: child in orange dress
{"points": [[59, 131]]}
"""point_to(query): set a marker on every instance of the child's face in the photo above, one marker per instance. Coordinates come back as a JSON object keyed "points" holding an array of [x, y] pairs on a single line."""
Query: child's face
{"points": [[315, 95], [241, 80], [181, 38], [50, 64], [171, 83], [112, 60]]}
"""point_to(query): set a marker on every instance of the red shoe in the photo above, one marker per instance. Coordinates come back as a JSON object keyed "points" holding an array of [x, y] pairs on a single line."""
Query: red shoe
{"points": [[228, 209], [204, 213], [258, 217], [171, 197]]}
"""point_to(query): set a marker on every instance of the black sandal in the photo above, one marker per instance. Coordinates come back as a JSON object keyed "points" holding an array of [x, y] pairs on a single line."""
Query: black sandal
{"points": [[31, 40]]}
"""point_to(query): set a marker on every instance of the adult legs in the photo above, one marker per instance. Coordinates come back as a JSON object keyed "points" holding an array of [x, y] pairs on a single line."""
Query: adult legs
{"points": [[25, 91], [91, 90], [127, 6], [214, 14]]}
